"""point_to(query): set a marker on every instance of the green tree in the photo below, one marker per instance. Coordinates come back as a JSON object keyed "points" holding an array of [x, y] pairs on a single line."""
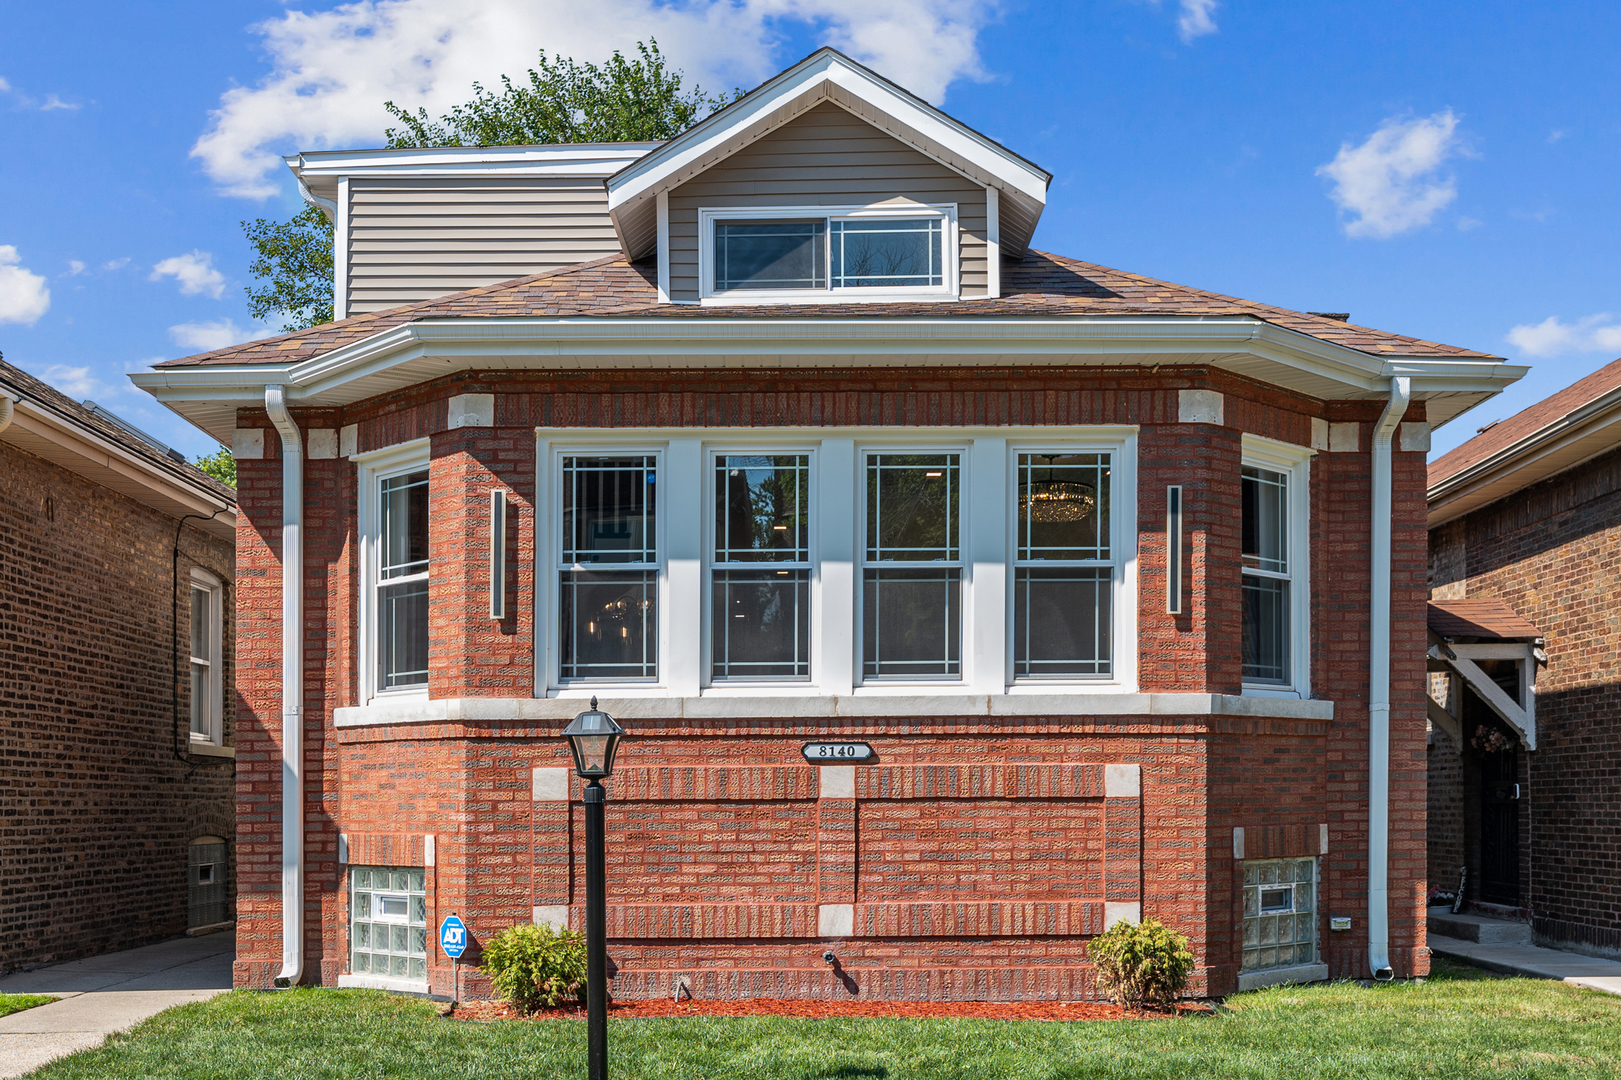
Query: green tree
{"points": [[293, 265], [221, 465], [640, 99]]}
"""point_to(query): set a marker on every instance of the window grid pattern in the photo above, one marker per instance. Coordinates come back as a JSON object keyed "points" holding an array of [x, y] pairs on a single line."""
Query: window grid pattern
{"points": [[609, 569], [402, 581], [1266, 576], [1280, 913], [760, 577], [1063, 571], [912, 577], [388, 922], [203, 664]]}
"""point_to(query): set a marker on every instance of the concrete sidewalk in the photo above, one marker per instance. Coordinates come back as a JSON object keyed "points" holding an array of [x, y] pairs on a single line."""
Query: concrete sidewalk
{"points": [[1532, 960], [108, 993]]}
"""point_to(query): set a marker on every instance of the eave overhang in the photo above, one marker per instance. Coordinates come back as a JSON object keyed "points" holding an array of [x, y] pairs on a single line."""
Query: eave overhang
{"points": [[319, 171], [418, 352], [1579, 436]]}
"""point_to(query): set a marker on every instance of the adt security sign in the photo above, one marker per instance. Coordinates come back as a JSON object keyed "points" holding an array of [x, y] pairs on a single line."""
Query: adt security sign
{"points": [[453, 937]]}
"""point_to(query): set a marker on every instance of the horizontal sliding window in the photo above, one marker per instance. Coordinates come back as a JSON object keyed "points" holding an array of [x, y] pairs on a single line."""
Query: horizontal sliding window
{"points": [[609, 570], [802, 251], [886, 253], [770, 255]]}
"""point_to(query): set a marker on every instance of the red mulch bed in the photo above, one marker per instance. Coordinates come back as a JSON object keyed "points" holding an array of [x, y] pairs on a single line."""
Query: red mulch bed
{"points": [[480, 1011]]}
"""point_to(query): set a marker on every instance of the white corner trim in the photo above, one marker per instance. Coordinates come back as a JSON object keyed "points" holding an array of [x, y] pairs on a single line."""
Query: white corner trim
{"points": [[552, 915], [471, 411], [835, 920], [1115, 911], [378, 982], [550, 783], [1200, 407], [321, 443], [340, 253], [663, 242], [248, 444], [1344, 438], [993, 243], [837, 782], [1303, 973], [1123, 781]]}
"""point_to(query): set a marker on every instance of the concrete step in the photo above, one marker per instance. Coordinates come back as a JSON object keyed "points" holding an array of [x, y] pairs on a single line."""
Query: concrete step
{"points": [[1478, 928]]}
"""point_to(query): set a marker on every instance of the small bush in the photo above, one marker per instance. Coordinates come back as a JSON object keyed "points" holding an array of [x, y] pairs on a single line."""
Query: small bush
{"points": [[1147, 963], [532, 966]]}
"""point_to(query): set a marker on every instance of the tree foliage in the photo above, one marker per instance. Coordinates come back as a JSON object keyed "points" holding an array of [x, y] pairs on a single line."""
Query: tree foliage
{"points": [[221, 465], [293, 265], [624, 100]]}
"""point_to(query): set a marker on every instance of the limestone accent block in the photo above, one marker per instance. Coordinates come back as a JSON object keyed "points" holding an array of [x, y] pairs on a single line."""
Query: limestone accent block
{"points": [[1416, 437], [1122, 912], [1200, 407], [429, 850], [835, 920], [471, 411], [1122, 781], [349, 440], [551, 784], [248, 444], [838, 782], [1344, 438], [322, 444], [343, 849], [1238, 842], [1322, 839], [552, 915], [1319, 434]]}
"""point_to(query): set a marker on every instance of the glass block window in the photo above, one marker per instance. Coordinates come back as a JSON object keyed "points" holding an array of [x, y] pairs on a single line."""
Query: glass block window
{"points": [[205, 886], [760, 581], [608, 575], [1280, 913], [388, 922], [1063, 577], [1267, 573], [912, 574]]}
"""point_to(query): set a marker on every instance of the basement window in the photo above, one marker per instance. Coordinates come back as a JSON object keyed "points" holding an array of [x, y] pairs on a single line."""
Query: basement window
{"points": [[388, 922], [1280, 913]]}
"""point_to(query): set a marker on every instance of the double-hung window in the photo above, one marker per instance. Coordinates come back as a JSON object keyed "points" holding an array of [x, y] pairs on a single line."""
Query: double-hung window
{"points": [[609, 568], [912, 564], [1274, 589], [207, 668], [401, 599], [761, 570], [840, 254], [1064, 570]]}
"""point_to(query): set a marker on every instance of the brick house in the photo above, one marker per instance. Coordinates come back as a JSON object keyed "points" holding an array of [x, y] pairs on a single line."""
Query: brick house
{"points": [[117, 794], [794, 438], [1525, 759]]}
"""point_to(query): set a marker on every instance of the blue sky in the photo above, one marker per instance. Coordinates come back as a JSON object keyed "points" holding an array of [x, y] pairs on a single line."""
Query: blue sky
{"points": [[1444, 170]]}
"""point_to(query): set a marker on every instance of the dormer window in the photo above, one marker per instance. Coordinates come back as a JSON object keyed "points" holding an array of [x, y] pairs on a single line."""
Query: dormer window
{"points": [[839, 255]]}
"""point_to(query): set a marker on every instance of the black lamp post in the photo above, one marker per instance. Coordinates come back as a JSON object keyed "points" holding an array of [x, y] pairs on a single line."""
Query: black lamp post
{"points": [[593, 736]]}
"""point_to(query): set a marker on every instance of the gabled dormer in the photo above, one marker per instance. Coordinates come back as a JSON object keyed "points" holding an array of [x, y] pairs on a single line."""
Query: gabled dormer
{"points": [[828, 184]]}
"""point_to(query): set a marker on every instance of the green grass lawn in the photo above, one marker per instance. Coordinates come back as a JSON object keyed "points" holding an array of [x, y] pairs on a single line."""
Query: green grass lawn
{"points": [[10, 1003], [1462, 1023]]}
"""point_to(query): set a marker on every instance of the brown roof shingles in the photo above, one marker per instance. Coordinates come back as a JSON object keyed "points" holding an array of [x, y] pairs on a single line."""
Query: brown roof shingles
{"points": [[1483, 618], [1500, 436], [1039, 285]]}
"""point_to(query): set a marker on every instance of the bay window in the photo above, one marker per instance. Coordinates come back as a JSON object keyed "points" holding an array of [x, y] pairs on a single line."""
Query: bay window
{"points": [[1063, 578], [609, 568], [402, 581], [1274, 590], [911, 584], [760, 576]]}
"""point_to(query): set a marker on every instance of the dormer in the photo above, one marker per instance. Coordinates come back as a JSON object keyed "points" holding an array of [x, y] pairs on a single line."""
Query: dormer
{"points": [[828, 184]]}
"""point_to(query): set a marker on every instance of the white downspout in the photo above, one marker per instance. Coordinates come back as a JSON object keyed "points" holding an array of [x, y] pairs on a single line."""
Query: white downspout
{"points": [[292, 688], [1379, 688], [8, 409]]}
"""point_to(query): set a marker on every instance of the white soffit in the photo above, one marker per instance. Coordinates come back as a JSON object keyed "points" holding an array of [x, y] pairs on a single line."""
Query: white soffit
{"points": [[826, 75], [321, 170]]}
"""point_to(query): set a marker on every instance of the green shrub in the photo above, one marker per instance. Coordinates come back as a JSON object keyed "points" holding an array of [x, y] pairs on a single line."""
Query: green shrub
{"points": [[533, 966], [1146, 963]]}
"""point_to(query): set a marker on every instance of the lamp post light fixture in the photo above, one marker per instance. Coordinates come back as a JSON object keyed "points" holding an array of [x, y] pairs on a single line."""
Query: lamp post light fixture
{"points": [[593, 737]]}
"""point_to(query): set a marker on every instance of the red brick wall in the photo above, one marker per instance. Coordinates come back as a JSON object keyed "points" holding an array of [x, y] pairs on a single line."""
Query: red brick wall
{"points": [[97, 805]]}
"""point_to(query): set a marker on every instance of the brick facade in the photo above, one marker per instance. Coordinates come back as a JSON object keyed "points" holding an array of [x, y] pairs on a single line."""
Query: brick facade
{"points": [[977, 855], [99, 794], [1552, 552]]}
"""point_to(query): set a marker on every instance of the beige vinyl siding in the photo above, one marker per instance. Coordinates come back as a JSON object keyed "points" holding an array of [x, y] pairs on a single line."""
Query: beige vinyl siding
{"points": [[825, 157], [417, 239]]}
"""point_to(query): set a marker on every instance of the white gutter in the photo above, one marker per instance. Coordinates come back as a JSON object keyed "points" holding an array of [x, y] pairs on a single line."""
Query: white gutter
{"points": [[329, 207], [292, 689], [1379, 688]]}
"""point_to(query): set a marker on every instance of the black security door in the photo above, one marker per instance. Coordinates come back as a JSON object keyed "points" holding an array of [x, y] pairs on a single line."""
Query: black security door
{"points": [[1499, 829]]}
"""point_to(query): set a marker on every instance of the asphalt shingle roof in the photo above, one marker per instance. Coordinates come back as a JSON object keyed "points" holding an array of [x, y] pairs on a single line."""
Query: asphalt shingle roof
{"points": [[1039, 285]]}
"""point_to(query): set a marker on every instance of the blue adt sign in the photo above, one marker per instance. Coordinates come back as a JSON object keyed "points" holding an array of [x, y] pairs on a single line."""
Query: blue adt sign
{"points": [[453, 937]]}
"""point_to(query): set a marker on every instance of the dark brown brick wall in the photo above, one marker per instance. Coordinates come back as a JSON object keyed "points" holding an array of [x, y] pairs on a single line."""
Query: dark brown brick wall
{"points": [[96, 809]]}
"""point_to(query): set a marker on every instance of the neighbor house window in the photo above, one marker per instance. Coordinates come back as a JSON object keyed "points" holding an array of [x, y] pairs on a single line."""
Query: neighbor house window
{"points": [[608, 572], [1280, 913], [207, 666], [873, 250], [388, 922], [1063, 576], [402, 581], [205, 886], [760, 577], [1274, 594], [911, 589]]}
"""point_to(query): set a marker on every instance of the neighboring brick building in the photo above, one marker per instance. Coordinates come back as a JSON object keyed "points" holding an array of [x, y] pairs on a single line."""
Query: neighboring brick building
{"points": [[824, 451], [116, 796], [1527, 516]]}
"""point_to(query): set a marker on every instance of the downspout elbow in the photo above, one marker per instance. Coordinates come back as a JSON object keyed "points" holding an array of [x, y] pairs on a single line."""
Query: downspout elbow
{"points": [[8, 409], [292, 688], [1384, 431]]}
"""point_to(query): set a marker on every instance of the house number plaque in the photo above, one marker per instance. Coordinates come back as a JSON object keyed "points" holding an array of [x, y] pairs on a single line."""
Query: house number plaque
{"points": [[837, 751]]}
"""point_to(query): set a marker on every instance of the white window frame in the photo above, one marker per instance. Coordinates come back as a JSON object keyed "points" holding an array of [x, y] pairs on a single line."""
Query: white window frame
{"points": [[1121, 446], [204, 582], [713, 452], [1295, 463], [950, 254], [372, 469]]}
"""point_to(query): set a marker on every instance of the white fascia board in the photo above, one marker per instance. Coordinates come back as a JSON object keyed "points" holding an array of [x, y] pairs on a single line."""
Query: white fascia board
{"points": [[320, 170], [638, 179]]}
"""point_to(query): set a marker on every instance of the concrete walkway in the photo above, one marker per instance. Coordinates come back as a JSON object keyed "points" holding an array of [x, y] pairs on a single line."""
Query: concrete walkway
{"points": [[1539, 963], [108, 993]]}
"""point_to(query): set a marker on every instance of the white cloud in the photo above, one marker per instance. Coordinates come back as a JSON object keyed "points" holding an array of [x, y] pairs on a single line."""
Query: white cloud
{"points": [[331, 71], [4, 86], [194, 272], [1555, 135], [115, 264], [24, 296], [1197, 19], [1465, 224], [78, 382], [1390, 181], [75, 267], [219, 334], [54, 102], [1551, 337]]}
